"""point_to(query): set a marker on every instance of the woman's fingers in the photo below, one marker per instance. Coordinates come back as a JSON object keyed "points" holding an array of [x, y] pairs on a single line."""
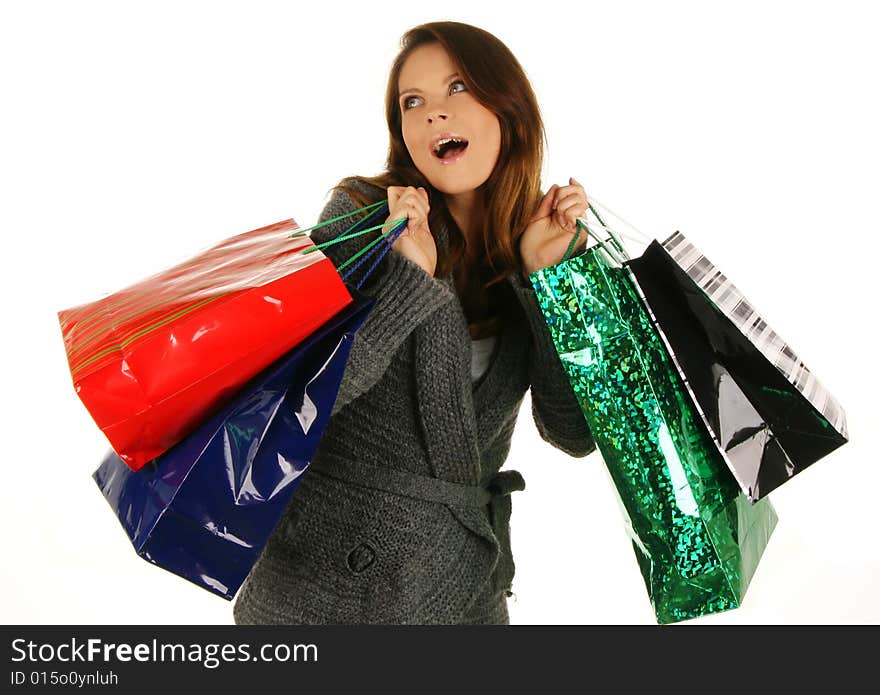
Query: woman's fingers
{"points": [[545, 207], [418, 217], [417, 243], [570, 205], [573, 186], [570, 209], [411, 203]]}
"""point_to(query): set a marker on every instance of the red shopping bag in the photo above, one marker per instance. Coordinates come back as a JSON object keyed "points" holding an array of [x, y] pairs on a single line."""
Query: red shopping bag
{"points": [[152, 361]]}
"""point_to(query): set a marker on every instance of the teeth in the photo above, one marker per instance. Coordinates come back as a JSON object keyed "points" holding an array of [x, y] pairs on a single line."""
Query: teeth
{"points": [[442, 142]]}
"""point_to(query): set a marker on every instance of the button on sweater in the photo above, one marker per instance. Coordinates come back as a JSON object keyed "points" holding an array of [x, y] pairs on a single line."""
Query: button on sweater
{"points": [[403, 515]]}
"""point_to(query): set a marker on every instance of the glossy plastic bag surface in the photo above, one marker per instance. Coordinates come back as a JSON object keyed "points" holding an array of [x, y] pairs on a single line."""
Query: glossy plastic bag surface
{"points": [[206, 508], [150, 362], [769, 415]]}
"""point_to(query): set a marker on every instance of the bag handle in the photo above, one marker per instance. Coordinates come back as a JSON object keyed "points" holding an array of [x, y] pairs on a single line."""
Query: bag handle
{"points": [[379, 209], [612, 244]]}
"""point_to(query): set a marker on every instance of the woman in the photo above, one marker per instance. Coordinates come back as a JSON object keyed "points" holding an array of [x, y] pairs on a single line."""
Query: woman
{"points": [[403, 515]]}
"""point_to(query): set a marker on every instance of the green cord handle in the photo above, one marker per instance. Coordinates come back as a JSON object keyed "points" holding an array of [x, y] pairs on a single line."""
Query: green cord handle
{"points": [[301, 232], [611, 234], [339, 239], [369, 246], [345, 236], [571, 243]]}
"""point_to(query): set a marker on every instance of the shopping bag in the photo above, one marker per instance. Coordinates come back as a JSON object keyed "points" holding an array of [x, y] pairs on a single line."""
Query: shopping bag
{"points": [[150, 362], [697, 538], [206, 508], [769, 415]]}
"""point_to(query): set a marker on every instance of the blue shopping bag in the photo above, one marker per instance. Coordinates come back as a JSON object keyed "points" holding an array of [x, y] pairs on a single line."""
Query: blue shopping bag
{"points": [[205, 509]]}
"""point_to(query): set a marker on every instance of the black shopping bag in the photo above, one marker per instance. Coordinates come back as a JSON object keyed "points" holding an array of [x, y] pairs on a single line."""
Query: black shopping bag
{"points": [[769, 415]]}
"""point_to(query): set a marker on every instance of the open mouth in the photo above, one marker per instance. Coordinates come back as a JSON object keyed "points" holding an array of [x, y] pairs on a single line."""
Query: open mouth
{"points": [[450, 148]]}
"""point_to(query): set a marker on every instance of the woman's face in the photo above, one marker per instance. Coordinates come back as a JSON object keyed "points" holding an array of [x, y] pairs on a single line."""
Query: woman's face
{"points": [[435, 102]]}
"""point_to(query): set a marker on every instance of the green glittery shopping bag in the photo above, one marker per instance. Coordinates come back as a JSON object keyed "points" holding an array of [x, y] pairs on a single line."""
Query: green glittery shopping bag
{"points": [[697, 538]]}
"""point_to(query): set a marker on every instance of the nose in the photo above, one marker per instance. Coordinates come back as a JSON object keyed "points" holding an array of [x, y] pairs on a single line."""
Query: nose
{"points": [[435, 115]]}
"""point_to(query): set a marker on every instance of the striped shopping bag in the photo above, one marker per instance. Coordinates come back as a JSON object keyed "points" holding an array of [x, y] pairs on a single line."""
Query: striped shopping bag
{"points": [[769, 415]]}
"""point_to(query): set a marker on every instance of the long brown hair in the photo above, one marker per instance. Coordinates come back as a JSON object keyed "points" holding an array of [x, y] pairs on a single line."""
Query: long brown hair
{"points": [[512, 191]]}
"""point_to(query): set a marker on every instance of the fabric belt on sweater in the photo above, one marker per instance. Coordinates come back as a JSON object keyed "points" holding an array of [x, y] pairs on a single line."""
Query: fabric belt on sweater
{"points": [[495, 492]]}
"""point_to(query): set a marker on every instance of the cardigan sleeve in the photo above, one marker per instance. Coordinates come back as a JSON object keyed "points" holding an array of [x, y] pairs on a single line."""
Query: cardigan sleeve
{"points": [[404, 295], [555, 407]]}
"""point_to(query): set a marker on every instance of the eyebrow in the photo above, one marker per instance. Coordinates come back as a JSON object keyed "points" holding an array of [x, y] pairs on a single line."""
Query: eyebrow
{"points": [[412, 89]]}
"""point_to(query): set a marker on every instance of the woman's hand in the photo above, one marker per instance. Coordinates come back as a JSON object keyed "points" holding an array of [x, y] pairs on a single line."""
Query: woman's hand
{"points": [[416, 241], [552, 227]]}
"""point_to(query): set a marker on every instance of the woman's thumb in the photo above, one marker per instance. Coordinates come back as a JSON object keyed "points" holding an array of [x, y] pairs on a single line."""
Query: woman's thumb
{"points": [[546, 206]]}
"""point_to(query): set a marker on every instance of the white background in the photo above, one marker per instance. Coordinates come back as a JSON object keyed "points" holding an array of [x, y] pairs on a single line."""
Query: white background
{"points": [[134, 135]]}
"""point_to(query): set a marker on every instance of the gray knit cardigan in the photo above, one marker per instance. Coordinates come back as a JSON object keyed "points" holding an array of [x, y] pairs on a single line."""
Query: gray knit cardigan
{"points": [[403, 516]]}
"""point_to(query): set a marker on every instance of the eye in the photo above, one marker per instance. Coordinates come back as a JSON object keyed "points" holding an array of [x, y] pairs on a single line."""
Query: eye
{"points": [[406, 101], [461, 82]]}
